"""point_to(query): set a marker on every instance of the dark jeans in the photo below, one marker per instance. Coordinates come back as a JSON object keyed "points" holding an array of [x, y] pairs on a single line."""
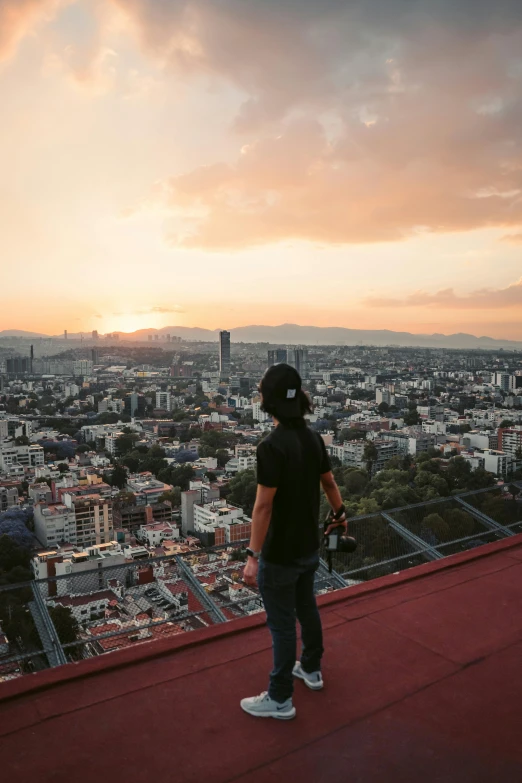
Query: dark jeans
{"points": [[288, 592]]}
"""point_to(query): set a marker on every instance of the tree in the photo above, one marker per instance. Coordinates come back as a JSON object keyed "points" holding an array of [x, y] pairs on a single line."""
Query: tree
{"points": [[243, 488], [173, 497], [180, 476], [412, 417], [222, 457], [370, 455], [458, 473], [132, 460], [438, 526], [431, 485], [107, 417], [125, 498], [65, 623], [125, 443], [206, 451], [383, 408], [353, 433], [22, 440], [506, 424], [13, 523], [461, 523], [186, 456], [12, 554], [118, 476], [83, 448]]}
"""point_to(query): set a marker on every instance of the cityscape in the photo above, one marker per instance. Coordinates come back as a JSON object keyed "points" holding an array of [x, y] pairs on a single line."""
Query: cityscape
{"points": [[261, 391], [127, 475]]}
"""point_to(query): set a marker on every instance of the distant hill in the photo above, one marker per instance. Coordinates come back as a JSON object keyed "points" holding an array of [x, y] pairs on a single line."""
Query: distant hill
{"points": [[20, 333], [294, 334]]}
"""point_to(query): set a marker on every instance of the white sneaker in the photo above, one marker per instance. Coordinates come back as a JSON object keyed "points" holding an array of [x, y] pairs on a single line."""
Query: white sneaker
{"points": [[313, 680], [263, 706]]}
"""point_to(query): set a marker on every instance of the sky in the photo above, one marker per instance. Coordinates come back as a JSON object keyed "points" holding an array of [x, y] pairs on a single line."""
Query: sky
{"points": [[220, 163]]}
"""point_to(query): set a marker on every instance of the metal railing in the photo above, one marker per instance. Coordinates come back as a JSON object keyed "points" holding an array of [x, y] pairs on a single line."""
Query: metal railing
{"points": [[49, 622]]}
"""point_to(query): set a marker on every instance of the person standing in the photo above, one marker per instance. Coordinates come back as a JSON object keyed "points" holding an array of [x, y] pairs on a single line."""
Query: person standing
{"points": [[283, 556]]}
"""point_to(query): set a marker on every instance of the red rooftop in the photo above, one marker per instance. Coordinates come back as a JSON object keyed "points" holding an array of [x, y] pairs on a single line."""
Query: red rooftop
{"points": [[422, 684]]}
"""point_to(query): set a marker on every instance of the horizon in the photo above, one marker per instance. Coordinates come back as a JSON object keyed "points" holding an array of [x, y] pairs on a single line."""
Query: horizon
{"points": [[19, 333], [261, 163]]}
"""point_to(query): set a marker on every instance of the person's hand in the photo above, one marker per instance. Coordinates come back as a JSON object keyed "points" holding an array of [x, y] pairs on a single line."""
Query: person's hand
{"points": [[250, 571], [341, 522]]}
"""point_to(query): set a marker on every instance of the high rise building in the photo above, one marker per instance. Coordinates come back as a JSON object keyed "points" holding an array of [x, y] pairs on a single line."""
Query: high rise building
{"points": [[94, 355], [298, 358], [163, 400], [65, 334], [18, 365], [94, 334], [224, 354], [277, 356]]}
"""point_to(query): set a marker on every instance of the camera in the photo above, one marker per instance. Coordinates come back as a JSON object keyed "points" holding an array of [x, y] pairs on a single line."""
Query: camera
{"points": [[337, 540]]}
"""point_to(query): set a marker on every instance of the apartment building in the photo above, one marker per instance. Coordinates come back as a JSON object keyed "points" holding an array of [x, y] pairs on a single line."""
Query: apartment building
{"points": [[220, 523], [93, 514], [54, 524], [8, 498], [40, 493], [198, 492], [80, 570], [146, 488], [510, 441], [163, 400], [11, 456]]}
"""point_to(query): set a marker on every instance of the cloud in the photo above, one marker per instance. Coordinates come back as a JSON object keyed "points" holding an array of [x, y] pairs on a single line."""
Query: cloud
{"points": [[365, 121], [482, 299], [516, 239], [300, 184], [171, 309], [361, 122], [18, 17]]}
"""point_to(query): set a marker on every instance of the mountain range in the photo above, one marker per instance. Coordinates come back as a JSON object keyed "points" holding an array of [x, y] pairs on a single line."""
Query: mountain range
{"points": [[294, 334]]}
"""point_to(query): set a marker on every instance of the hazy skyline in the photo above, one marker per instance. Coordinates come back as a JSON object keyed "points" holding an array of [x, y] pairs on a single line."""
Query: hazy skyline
{"points": [[225, 163]]}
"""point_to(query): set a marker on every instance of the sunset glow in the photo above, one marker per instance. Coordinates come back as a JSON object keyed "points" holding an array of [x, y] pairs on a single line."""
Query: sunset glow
{"points": [[188, 162]]}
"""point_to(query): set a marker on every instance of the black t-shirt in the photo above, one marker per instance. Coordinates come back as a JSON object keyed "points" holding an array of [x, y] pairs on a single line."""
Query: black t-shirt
{"points": [[292, 459]]}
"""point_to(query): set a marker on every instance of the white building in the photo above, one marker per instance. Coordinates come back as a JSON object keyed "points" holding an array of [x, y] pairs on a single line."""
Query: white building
{"points": [[111, 442], [79, 570], [257, 413], [163, 400], [54, 524], [220, 516], [86, 608], [22, 456], [153, 534]]}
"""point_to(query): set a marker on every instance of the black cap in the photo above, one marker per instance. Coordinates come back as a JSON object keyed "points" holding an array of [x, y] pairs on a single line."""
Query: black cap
{"points": [[281, 390]]}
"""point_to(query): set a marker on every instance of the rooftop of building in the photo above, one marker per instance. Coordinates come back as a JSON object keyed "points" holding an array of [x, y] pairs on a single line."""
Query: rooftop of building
{"points": [[422, 682]]}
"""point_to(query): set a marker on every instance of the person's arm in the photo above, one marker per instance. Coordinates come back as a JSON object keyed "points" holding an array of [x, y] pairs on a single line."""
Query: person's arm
{"points": [[261, 516], [260, 523], [335, 500]]}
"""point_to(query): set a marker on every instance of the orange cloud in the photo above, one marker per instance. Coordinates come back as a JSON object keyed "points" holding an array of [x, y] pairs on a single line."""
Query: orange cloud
{"points": [[299, 184], [483, 299], [514, 238], [17, 17], [365, 122]]}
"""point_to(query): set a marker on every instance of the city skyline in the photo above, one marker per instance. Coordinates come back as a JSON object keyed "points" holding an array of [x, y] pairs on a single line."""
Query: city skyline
{"points": [[357, 167]]}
